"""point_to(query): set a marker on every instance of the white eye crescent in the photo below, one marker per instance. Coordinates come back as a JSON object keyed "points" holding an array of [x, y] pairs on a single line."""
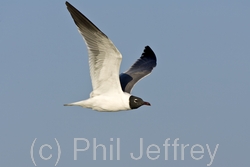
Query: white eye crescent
{"points": [[136, 100]]}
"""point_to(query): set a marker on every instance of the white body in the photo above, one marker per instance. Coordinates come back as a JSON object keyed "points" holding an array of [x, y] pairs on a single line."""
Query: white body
{"points": [[105, 102]]}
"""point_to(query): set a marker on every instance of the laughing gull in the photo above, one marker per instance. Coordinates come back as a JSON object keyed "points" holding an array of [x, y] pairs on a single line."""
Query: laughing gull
{"points": [[111, 91]]}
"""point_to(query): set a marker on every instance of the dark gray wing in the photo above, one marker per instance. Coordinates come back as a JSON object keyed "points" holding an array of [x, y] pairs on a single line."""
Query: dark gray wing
{"points": [[141, 68]]}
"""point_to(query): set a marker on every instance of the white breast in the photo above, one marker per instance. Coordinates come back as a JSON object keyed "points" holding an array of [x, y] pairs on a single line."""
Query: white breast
{"points": [[107, 102]]}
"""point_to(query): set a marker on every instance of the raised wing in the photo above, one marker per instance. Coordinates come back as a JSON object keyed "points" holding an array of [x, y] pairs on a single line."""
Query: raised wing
{"points": [[141, 68], [104, 57]]}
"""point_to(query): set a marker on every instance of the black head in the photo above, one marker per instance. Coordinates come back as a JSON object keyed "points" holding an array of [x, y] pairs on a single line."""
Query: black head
{"points": [[136, 102]]}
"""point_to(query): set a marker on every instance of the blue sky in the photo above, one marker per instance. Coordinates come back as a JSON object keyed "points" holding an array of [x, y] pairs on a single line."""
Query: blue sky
{"points": [[199, 90]]}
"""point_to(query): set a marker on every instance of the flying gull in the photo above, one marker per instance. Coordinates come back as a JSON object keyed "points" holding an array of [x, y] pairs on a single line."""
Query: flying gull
{"points": [[111, 91]]}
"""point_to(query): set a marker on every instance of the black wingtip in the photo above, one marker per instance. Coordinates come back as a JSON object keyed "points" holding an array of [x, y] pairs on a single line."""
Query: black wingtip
{"points": [[81, 20], [67, 3], [148, 53]]}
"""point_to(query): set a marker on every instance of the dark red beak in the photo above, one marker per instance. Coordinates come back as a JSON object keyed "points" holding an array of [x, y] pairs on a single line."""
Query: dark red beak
{"points": [[146, 103]]}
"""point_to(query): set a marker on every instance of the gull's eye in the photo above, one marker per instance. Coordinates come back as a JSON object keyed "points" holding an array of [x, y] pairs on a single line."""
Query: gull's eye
{"points": [[136, 100]]}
